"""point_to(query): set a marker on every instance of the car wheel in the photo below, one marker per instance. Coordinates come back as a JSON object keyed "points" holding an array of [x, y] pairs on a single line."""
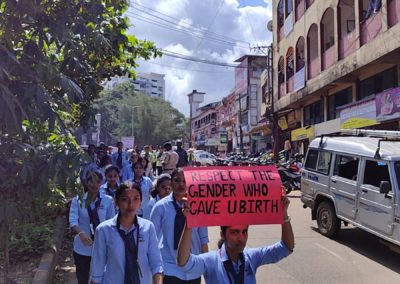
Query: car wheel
{"points": [[328, 222]]}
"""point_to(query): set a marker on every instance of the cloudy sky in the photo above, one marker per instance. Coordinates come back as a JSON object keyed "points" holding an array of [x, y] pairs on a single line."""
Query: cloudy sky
{"points": [[215, 30]]}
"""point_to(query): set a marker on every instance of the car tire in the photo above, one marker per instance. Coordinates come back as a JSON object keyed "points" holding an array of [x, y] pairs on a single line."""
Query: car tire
{"points": [[328, 222]]}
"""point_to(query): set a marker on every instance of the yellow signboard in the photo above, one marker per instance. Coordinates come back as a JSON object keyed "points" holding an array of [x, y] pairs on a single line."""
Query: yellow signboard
{"points": [[282, 123], [357, 122], [303, 133]]}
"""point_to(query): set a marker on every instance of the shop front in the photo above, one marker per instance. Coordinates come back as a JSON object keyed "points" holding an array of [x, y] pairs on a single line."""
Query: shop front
{"points": [[301, 138]]}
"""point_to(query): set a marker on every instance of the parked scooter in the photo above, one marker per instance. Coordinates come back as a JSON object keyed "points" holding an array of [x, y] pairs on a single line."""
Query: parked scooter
{"points": [[290, 173]]}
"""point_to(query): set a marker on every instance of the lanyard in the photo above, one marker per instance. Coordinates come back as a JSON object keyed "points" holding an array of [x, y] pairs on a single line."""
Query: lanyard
{"points": [[94, 215], [129, 242], [233, 276]]}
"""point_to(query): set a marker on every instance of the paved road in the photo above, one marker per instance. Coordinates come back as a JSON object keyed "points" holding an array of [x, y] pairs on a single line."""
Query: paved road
{"points": [[354, 257]]}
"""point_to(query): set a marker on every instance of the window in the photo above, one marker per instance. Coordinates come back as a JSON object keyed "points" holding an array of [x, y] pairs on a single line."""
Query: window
{"points": [[311, 161], [336, 100], [375, 172], [314, 113], [346, 167], [378, 83], [154, 80], [324, 160], [318, 161]]}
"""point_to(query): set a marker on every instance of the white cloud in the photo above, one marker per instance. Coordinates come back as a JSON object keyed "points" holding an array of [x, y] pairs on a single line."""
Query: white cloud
{"points": [[244, 24]]}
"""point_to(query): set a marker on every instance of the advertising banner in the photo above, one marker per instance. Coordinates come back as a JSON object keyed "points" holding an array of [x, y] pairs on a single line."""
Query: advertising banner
{"points": [[388, 105], [226, 196], [128, 141], [359, 115]]}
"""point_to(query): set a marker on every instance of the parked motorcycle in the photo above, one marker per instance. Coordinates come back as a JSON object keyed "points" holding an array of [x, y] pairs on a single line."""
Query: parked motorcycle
{"points": [[290, 173]]}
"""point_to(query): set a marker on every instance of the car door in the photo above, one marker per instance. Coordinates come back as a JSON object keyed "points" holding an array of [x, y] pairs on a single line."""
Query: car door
{"points": [[344, 184], [375, 209]]}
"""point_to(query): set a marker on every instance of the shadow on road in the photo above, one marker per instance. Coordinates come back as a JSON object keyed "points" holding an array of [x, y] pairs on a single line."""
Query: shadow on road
{"points": [[368, 245]]}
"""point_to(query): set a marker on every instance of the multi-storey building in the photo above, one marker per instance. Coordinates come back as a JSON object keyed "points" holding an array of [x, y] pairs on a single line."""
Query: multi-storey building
{"points": [[226, 123], [336, 66], [204, 128], [247, 79], [152, 84]]}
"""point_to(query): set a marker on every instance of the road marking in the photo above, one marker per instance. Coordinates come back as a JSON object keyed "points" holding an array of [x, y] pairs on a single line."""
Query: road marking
{"points": [[328, 250]]}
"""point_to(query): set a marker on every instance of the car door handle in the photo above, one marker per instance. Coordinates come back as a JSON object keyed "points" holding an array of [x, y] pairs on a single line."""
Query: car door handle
{"points": [[364, 190], [334, 181]]}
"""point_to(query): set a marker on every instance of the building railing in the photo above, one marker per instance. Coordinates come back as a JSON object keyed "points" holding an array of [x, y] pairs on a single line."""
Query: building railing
{"points": [[328, 57], [393, 12], [314, 68], [371, 28], [347, 44]]}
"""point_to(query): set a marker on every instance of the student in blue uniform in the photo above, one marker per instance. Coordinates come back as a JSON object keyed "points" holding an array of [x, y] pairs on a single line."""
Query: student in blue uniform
{"points": [[169, 222], [126, 248], [161, 190], [120, 158], [84, 216], [145, 184], [112, 180], [225, 266]]}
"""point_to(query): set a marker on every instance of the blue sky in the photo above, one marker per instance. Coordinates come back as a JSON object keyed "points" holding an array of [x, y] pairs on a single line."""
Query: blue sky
{"points": [[243, 22]]}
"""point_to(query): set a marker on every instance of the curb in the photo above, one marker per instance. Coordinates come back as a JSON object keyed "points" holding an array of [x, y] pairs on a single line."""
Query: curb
{"points": [[45, 271]]}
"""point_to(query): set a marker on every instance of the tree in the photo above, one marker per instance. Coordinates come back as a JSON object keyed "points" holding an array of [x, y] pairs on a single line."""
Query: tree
{"points": [[54, 55], [155, 120]]}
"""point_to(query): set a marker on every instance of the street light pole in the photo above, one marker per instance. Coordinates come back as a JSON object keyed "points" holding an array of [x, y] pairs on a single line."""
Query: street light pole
{"points": [[133, 107]]}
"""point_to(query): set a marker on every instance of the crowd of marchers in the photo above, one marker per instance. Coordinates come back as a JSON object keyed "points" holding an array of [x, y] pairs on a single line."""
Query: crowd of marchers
{"points": [[130, 225]]}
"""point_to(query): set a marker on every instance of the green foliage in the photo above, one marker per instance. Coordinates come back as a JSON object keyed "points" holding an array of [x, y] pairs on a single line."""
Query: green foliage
{"points": [[54, 55], [155, 120]]}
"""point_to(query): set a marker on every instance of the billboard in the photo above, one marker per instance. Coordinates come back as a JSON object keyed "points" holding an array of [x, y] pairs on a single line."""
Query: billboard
{"points": [[128, 141], [388, 105], [241, 77]]}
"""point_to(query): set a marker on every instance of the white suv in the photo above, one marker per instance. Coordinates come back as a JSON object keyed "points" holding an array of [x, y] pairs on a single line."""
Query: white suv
{"points": [[203, 158]]}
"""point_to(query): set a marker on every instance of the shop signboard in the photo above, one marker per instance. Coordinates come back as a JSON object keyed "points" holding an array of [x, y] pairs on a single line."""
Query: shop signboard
{"points": [[358, 115], [303, 133], [388, 105], [223, 138], [299, 79], [241, 78]]}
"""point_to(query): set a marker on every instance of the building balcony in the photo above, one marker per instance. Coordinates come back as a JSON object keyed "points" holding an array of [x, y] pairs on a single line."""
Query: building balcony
{"points": [[347, 44], [393, 12], [314, 68], [282, 89], [328, 57], [300, 8], [290, 84], [371, 28]]}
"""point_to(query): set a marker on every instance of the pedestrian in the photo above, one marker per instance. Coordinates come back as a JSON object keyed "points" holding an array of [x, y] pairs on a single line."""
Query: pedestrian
{"points": [[169, 221], [127, 171], [144, 183], [120, 158], [288, 148], [232, 263], [160, 159], [162, 188], [84, 216], [126, 248], [183, 156], [112, 180], [171, 159]]}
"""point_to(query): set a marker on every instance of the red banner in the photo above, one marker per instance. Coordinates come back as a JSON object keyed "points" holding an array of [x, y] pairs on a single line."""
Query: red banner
{"points": [[226, 196]]}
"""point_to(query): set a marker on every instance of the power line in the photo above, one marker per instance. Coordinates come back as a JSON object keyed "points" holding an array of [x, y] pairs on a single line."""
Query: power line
{"points": [[187, 26], [160, 24], [195, 59], [186, 69]]}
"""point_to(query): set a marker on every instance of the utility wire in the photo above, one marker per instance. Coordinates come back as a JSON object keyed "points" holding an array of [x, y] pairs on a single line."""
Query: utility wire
{"points": [[186, 69], [187, 25], [157, 23]]}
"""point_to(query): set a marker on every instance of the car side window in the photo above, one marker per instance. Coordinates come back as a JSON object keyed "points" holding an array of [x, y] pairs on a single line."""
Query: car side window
{"points": [[375, 172], [324, 160], [311, 160], [346, 167]]}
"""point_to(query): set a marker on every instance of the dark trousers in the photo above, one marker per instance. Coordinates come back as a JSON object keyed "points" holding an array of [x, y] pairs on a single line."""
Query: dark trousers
{"points": [[82, 264], [159, 170], [174, 280]]}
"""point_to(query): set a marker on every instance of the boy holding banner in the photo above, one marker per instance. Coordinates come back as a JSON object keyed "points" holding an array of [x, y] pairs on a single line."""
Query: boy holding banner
{"points": [[232, 263]]}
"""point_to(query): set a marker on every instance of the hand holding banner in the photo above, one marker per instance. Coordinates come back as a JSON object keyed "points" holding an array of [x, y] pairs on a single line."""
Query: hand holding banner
{"points": [[225, 196]]}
